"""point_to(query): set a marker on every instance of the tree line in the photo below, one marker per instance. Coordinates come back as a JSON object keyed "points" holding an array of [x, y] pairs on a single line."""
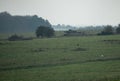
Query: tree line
{"points": [[109, 30], [48, 31], [20, 24]]}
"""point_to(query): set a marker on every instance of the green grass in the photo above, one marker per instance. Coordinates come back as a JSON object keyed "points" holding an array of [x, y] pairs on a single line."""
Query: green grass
{"points": [[28, 34], [56, 59]]}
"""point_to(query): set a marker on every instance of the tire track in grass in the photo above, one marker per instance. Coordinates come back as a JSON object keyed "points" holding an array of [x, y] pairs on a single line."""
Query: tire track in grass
{"points": [[59, 64]]}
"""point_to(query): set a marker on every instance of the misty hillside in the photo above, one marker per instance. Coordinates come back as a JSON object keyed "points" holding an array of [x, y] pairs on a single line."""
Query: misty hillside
{"points": [[14, 24]]}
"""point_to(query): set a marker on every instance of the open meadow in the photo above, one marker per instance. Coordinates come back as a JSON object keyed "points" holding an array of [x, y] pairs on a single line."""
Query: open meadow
{"points": [[82, 58]]}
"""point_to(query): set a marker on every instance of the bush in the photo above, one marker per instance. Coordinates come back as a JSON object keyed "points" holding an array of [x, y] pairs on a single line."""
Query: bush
{"points": [[108, 30], [15, 38], [118, 29], [43, 31]]}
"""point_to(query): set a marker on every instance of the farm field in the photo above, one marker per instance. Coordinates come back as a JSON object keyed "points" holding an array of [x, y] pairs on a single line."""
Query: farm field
{"points": [[87, 58]]}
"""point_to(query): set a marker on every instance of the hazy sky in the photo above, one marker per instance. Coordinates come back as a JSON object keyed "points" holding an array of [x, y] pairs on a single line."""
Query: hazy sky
{"points": [[73, 12]]}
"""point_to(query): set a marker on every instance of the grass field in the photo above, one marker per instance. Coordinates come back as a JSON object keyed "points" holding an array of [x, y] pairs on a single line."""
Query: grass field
{"points": [[87, 58]]}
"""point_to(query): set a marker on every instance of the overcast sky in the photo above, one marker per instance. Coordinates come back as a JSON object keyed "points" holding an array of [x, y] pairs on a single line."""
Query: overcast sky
{"points": [[72, 12]]}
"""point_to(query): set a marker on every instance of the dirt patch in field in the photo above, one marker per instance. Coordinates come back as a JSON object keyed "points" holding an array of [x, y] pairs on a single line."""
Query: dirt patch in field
{"points": [[80, 49], [46, 49], [65, 59], [38, 50]]}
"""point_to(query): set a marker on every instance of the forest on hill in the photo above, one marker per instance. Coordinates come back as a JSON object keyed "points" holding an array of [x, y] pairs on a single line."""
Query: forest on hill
{"points": [[15, 24]]}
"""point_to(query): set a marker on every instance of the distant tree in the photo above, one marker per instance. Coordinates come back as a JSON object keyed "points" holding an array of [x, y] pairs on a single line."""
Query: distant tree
{"points": [[108, 30], [118, 29], [44, 31]]}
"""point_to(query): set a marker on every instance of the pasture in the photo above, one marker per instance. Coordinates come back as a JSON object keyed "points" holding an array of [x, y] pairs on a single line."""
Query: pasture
{"points": [[87, 58]]}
